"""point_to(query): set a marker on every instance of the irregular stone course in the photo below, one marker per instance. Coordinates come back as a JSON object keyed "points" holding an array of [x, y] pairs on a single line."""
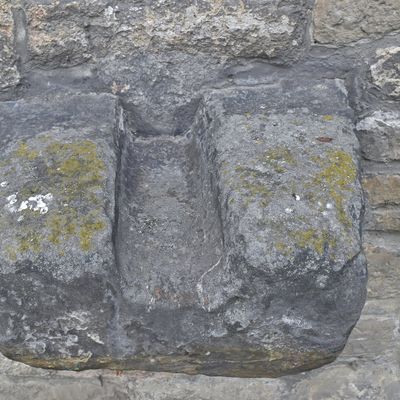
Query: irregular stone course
{"points": [[69, 33]]}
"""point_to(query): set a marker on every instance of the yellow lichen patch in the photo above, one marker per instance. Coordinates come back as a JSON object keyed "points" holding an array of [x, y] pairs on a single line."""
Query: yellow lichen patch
{"points": [[11, 253], [338, 173], [79, 173], [279, 158], [61, 226], [283, 248], [77, 164], [23, 151], [30, 241], [75, 174], [88, 230], [327, 118], [313, 239], [252, 182]]}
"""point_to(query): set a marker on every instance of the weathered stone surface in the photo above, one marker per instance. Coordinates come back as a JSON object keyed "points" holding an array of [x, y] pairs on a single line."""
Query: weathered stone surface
{"points": [[160, 91], [386, 71], [379, 134], [69, 32], [234, 251], [55, 39], [368, 369], [383, 255], [383, 189], [290, 205], [346, 21], [383, 219], [9, 75], [56, 259]]}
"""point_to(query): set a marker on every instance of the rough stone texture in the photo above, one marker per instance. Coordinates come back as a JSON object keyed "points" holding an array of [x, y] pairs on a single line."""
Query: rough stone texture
{"points": [[187, 273], [58, 31], [58, 172], [386, 71], [160, 91], [383, 256], [69, 32], [382, 189], [275, 228], [346, 21], [9, 75], [379, 134], [383, 219], [367, 369]]}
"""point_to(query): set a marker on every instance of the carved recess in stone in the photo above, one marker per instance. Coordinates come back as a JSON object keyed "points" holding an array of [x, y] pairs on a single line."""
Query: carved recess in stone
{"points": [[233, 250]]}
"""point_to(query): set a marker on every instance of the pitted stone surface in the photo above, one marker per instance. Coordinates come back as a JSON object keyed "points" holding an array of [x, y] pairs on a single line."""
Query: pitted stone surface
{"points": [[69, 32], [290, 199]]}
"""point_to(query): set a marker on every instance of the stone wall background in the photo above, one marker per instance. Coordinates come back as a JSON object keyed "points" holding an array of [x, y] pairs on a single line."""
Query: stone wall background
{"points": [[159, 57]]}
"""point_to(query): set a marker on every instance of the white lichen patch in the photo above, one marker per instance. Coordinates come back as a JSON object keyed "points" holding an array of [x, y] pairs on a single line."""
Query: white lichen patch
{"points": [[95, 337], [11, 200], [4, 184], [38, 203], [297, 322]]}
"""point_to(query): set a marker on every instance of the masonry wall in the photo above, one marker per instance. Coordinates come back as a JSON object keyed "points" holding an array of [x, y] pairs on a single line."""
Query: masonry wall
{"points": [[134, 50]]}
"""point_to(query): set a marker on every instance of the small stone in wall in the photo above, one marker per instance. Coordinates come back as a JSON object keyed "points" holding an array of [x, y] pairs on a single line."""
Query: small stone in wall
{"points": [[386, 71], [379, 135]]}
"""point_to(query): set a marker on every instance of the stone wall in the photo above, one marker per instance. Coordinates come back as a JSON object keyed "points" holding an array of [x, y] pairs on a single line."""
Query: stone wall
{"points": [[159, 58]]}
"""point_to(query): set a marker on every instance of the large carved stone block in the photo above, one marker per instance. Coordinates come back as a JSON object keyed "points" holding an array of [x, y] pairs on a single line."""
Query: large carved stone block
{"points": [[233, 250]]}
